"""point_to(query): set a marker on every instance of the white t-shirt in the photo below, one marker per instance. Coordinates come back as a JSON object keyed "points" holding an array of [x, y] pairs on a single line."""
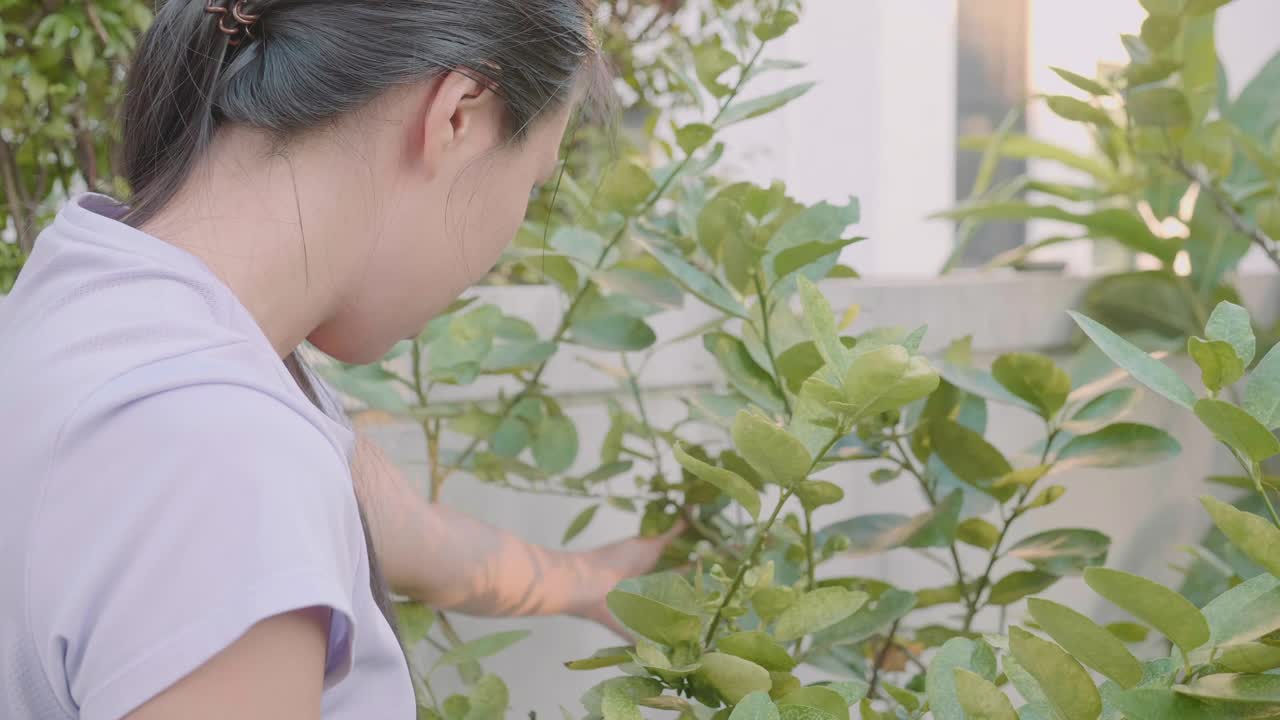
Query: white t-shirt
{"points": [[164, 485]]}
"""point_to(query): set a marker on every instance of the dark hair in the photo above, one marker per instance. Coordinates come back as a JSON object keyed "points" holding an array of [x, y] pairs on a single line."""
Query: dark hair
{"points": [[308, 63]]}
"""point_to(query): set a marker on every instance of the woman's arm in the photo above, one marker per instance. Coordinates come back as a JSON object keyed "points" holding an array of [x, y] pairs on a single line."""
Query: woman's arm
{"points": [[451, 561], [275, 671]]}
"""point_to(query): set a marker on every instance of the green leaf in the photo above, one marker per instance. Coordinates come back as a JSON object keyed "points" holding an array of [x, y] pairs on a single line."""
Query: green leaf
{"points": [[1087, 641], [636, 688], [555, 445], [980, 383], [722, 221], [1018, 584], [824, 699], [1023, 147], [620, 333], [710, 61], [1092, 87], [605, 657], [980, 699], [1118, 445], [374, 390], [1257, 538], [977, 532], [755, 107], [892, 605], [1067, 107], [774, 453], [727, 481], [968, 455], [1128, 631], [755, 706], [759, 648], [877, 533], [1262, 395], [1249, 658], [488, 699], [617, 705], [1122, 226], [1145, 369], [625, 187], [702, 285], [792, 259], [644, 284], [1160, 704], [82, 53], [415, 620], [693, 136], [1218, 362], [742, 372], [580, 523], [775, 26], [817, 610], [732, 677], [770, 602], [1034, 378], [660, 607], [1159, 31], [1238, 429], [1236, 688], [1067, 551], [482, 647], [1065, 683], [1161, 107], [822, 326], [940, 682], [1154, 604], [1246, 612], [803, 712], [814, 494], [883, 379]]}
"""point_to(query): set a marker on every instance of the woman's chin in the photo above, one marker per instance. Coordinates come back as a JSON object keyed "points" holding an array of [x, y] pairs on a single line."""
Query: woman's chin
{"points": [[352, 349]]}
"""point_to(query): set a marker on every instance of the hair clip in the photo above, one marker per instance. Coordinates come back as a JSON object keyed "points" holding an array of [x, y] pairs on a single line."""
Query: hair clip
{"points": [[241, 22]]}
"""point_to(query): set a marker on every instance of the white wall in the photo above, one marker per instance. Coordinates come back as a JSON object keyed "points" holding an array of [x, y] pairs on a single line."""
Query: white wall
{"points": [[879, 125]]}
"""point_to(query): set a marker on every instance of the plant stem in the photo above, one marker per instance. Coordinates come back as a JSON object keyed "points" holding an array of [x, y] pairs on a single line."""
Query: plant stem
{"points": [[634, 385], [808, 546], [882, 656], [761, 534], [768, 344], [975, 605], [906, 464], [1255, 470], [1223, 202], [578, 297]]}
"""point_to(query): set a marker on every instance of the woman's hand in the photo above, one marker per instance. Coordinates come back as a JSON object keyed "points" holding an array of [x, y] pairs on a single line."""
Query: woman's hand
{"points": [[606, 566], [451, 561]]}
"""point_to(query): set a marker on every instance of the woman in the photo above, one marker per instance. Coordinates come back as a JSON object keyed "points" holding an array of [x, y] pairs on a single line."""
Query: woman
{"points": [[179, 536]]}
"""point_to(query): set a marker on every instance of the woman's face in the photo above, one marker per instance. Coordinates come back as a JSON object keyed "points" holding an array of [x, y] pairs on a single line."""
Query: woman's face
{"points": [[451, 193]]}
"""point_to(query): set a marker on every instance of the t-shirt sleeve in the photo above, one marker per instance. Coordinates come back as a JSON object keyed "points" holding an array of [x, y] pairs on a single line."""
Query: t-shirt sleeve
{"points": [[174, 523]]}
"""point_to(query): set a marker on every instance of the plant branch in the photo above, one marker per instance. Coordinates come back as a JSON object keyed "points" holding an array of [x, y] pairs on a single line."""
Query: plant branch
{"points": [[1225, 206], [808, 546], [1018, 510], [761, 534], [882, 656], [768, 344], [634, 385], [17, 199], [906, 464]]}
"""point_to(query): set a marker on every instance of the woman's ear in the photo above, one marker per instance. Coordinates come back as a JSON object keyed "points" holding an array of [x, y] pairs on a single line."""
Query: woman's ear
{"points": [[463, 116]]}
